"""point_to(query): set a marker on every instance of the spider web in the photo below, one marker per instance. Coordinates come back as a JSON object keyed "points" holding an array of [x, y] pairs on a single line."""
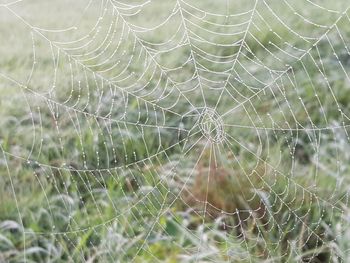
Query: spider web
{"points": [[225, 122]]}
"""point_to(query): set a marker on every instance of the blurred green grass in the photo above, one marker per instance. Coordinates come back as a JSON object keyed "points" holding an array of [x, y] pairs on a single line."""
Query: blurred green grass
{"points": [[67, 182]]}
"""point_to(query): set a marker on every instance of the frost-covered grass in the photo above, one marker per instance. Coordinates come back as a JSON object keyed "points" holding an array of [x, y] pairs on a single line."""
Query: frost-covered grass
{"points": [[78, 185]]}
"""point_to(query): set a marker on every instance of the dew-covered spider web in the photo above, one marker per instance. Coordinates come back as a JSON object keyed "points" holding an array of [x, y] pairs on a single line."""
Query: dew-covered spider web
{"points": [[175, 131]]}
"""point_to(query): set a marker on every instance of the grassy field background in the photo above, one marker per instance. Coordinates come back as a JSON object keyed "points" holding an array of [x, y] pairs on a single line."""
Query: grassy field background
{"points": [[174, 131]]}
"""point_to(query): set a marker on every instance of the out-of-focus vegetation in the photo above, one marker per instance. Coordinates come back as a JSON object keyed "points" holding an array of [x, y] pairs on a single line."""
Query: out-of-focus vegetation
{"points": [[90, 173]]}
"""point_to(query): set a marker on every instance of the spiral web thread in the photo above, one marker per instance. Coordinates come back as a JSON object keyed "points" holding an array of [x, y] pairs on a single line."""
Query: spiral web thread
{"points": [[148, 103]]}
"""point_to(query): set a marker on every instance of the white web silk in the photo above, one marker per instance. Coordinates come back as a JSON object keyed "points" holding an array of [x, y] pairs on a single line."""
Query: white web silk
{"points": [[130, 102]]}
